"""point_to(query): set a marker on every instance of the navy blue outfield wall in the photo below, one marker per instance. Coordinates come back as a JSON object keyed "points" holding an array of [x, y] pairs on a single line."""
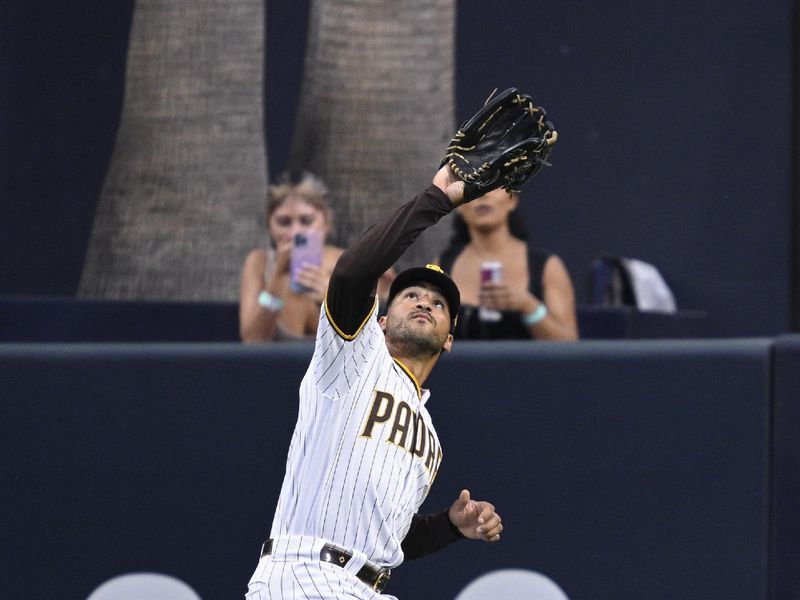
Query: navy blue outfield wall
{"points": [[785, 529], [623, 470]]}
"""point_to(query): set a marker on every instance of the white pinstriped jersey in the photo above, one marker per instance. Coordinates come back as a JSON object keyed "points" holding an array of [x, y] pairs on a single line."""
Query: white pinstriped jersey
{"points": [[364, 452]]}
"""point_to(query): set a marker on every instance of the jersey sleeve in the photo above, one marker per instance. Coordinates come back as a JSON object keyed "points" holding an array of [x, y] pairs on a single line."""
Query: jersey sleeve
{"points": [[429, 534], [339, 360], [351, 289]]}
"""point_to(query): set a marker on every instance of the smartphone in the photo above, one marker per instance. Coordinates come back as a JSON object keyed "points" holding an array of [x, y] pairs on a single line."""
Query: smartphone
{"points": [[306, 250]]}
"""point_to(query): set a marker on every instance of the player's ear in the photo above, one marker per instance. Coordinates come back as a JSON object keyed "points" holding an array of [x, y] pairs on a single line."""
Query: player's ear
{"points": [[448, 344], [382, 323]]}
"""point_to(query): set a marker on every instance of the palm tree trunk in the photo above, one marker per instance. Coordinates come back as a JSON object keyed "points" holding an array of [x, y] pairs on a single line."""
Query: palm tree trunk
{"points": [[183, 198], [376, 107]]}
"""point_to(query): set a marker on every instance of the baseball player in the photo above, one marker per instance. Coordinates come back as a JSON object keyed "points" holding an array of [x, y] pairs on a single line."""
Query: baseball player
{"points": [[364, 452]]}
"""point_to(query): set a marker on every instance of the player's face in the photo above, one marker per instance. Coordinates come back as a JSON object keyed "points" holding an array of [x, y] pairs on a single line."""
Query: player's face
{"points": [[295, 215], [419, 319], [490, 211]]}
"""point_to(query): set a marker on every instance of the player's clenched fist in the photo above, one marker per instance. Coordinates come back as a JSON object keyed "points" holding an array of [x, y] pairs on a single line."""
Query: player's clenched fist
{"points": [[475, 519]]}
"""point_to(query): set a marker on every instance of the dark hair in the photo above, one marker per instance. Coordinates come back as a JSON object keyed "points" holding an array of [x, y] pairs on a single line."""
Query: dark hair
{"points": [[460, 236]]}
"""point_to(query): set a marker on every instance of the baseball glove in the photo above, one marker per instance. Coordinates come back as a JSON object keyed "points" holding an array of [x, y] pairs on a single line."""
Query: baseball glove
{"points": [[504, 145]]}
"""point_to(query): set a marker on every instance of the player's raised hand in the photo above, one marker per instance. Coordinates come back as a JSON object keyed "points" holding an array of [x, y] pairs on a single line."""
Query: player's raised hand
{"points": [[450, 185], [475, 519]]}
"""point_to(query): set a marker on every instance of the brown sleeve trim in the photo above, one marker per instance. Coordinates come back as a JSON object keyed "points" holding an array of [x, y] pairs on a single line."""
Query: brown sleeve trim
{"points": [[337, 329], [429, 534]]}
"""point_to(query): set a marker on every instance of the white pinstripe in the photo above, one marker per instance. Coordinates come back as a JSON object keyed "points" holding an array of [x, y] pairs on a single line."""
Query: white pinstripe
{"points": [[340, 486]]}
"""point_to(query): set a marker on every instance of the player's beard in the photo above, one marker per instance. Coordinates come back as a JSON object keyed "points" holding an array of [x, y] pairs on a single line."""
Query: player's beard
{"points": [[413, 341]]}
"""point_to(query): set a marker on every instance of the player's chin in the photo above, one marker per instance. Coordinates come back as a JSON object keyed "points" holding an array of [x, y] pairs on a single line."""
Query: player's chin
{"points": [[423, 339]]}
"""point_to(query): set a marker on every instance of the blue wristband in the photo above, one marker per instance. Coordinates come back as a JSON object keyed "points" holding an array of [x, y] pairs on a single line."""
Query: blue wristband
{"points": [[533, 317], [270, 302]]}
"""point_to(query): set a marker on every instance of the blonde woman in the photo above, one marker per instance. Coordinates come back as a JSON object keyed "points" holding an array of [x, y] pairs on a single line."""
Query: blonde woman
{"points": [[270, 308]]}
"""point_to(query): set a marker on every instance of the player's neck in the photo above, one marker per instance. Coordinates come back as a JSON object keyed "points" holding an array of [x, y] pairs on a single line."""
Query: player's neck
{"points": [[420, 367]]}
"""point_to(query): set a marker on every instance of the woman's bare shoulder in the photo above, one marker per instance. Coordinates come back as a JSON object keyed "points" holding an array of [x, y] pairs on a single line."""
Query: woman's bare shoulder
{"points": [[555, 271], [257, 257]]}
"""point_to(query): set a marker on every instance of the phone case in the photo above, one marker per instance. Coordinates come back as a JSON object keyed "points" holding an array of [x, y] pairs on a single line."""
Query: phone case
{"points": [[306, 250]]}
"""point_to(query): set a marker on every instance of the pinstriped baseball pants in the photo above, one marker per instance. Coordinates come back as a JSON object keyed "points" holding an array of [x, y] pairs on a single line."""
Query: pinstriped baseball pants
{"points": [[307, 580]]}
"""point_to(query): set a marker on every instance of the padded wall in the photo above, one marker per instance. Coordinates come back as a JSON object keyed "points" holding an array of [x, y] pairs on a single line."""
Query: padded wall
{"points": [[59, 319], [623, 470], [785, 566]]}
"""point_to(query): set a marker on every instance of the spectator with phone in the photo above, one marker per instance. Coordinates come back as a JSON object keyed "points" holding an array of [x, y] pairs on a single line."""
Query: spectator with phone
{"points": [[283, 286], [509, 289]]}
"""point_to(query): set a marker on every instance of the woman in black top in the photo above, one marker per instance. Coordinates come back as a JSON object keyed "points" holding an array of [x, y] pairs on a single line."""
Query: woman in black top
{"points": [[535, 298]]}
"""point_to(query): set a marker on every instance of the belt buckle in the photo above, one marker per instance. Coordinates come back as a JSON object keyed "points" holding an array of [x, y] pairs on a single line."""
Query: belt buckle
{"points": [[380, 580]]}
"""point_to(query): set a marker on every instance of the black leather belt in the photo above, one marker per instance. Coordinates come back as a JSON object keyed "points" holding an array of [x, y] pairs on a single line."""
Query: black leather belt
{"points": [[375, 578]]}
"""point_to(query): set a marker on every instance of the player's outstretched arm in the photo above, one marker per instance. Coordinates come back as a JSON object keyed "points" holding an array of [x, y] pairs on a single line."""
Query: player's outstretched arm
{"points": [[475, 519], [352, 286]]}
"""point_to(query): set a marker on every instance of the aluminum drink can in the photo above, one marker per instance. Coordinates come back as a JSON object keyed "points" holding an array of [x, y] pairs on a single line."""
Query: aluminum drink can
{"points": [[491, 272]]}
